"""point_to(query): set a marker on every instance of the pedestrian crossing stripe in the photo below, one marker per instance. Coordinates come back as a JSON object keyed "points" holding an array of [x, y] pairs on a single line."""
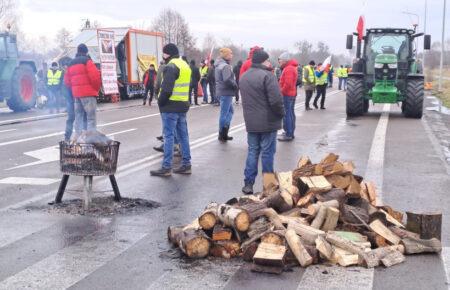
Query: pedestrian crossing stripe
{"points": [[28, 181]]}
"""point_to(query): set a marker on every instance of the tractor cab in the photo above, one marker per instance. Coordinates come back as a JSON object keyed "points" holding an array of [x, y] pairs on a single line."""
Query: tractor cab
{"points": [[8, 51]]}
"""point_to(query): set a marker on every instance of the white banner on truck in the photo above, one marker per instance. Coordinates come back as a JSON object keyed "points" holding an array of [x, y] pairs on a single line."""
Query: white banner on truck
{"points": [[108, 63]]}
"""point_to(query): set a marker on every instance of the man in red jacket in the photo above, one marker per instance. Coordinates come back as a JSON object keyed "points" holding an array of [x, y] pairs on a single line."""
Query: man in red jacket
{"points": [[288, 86], [83, 79]]}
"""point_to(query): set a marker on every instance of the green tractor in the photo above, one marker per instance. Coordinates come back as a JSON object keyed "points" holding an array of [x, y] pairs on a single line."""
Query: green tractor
{"points": [[386, 71], [17, 78]]}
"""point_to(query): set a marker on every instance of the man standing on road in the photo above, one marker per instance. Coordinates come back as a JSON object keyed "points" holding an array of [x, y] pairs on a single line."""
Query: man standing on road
{"points": [[237, 74], [173, 104], [309, 82], [149, 83], [195, 78], [54, 82], [204, 81], [83, 79], [263, 108], [226, 88], [212, 83], [339, 75], [321, 86], [330, 77], [345, 71], [288, 86]]}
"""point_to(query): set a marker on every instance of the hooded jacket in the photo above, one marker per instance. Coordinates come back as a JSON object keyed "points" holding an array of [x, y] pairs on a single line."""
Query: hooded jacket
{"points": [[83, 77], [262, 102], [288, 79], [225, 81], [248, 63]]}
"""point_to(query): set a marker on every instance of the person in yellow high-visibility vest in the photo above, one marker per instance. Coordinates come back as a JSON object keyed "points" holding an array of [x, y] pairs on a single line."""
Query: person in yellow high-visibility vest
{"points": [[54, 81], [173, 102], [321, 85]]}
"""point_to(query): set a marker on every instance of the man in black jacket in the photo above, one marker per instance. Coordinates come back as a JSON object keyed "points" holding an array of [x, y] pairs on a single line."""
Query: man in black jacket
{"points": [[237, 72], [195, 78], [263, 108], [212, 83]]}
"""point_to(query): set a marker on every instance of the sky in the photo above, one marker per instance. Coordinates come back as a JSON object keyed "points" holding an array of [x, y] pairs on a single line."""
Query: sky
{"points": [[268, 23]]}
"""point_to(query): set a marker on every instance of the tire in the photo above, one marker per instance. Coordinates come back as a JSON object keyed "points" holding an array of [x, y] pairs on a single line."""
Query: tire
{"points": [[413, 103], [23, 89], [355, 97]]}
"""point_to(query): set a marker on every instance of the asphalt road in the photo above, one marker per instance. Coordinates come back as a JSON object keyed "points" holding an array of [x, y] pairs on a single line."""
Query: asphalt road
{"points": [[43, 250]]}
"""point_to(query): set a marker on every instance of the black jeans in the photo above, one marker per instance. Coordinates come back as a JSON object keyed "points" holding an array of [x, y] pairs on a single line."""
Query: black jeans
{"points": [[212, 92], [193, 88], [150, 89], [321, 92], [308, 94], [237, 91]]}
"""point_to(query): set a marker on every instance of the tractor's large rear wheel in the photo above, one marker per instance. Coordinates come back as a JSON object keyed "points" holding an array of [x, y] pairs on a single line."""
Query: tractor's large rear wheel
{"points": [[355, 97], [412, 106], [23, 89]]}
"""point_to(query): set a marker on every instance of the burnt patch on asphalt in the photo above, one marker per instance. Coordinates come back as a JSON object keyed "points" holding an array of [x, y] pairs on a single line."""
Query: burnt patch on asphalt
{"points": [[100, 207]]}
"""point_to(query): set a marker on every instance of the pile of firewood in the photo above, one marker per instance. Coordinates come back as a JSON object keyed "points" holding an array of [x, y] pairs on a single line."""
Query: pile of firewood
{"points": [[317, 213]]}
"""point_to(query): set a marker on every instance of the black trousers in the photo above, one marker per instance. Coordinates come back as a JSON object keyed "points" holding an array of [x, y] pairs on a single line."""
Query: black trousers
{"points": [[308, 94], [321, 93], [148, 89], [212, 92], [193, 89], [237, 91]]}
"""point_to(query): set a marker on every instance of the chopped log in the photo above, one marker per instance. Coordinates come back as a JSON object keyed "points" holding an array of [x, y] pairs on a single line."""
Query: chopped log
{"points": [[344, 258], [317, 183], [329, 158], [427, 225], [398, 215], [349, 167], [353, 214], [286, 219], [304, 160], [272, 215], [372, 192], [319, 218], [253, 239], [305, 199], [336, 193], [314, 208], [221, 233], [261, 225], [295, 212], [404, 233], [280, 200], [392, 259], [358, 178], [307, 170], [232, 201], [225, 249], [194, 225], [270, 255], [338, 181], [364, 193], [351, 236], [372, 259], [252, 209], [324, 247], [417, 246], [173, 234], [294, 192], [391, 219], [376, 239], [331, 219], [298, 249], [284, 179], [344, 244], [234, 217], [318, 169], [332, 168], [275, 238], [312, 251], [379, 228], [208, 218], [307, 233], [354, 189], [266, 269], [249, 251], [269, 181], [193, 243]]}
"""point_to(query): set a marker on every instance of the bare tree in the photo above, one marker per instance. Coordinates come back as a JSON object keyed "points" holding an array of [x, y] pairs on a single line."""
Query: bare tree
{"points": [[304, 49], [209, 42], [8, 15], [175, 29], [63, 39]]}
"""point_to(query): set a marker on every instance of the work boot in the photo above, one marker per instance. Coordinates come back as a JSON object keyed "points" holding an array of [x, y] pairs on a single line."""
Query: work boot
{"points": [[221, 136], [322, 108], [159, 148], [225, 134], [248, 188], [143, 104], [183, 169], [308, 109], [160, 138], [315, 105], [162, 172], [285, 138]]}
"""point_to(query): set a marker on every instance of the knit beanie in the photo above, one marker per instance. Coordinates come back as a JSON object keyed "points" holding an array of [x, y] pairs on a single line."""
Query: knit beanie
{"points": [[225, 52], [171, 49], [82, 49], [259, 56], [285, 56]]}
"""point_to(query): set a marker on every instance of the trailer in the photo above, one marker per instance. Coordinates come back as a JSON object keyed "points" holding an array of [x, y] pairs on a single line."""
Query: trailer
{"points": [[141, 48]]}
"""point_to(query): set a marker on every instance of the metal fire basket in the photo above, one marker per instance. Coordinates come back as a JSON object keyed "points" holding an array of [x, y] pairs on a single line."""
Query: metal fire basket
{"points": [[88, 160]]}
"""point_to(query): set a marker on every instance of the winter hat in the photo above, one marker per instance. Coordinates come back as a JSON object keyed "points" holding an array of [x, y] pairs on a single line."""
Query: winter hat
{"points": [[82, 48], [171, 49], [225, 52], [312, 62], [285, 56], [259, 56]]}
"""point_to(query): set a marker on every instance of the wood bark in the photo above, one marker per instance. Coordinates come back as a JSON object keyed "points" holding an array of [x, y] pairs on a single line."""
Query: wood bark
{"points": [[304, 160], [392, 259], [314, 208], [329, 158], [272, 215], [208, 218], [234, 217], [307, 233], [249, 251], [269, 181], [193, 243], [225, 249], [402, 233], [261, 225], [280, 200], [417, 246], [372, 259], [383, 231], [354, 189], [427, 225], [221, 233], [298, 248], [331, 219]]}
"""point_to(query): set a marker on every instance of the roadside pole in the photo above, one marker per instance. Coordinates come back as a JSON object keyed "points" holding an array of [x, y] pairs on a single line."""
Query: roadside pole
{"points": [[442, 48]]}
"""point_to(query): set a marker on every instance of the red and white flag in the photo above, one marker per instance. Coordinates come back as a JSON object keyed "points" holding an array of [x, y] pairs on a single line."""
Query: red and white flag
{"points": [[360, 27], [208, 59]]}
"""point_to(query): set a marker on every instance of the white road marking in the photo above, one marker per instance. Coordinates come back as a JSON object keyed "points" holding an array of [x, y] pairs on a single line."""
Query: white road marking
{"points": [[72, 264], [28, 180], [445, 256], [30, 118], [375, 164], [9, 130], [336, 277], [120, 132]]}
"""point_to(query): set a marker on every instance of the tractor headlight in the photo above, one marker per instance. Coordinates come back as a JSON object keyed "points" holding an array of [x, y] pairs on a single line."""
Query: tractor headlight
{"points": [[392, 65], [379, 65]]}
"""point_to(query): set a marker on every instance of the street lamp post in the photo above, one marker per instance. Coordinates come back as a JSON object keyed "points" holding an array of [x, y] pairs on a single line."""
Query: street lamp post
{"points": [[442, 48], [425, 32], [415, 27]]}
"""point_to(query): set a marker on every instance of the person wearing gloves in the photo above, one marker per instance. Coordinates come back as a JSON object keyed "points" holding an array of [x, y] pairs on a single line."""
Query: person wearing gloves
{"points": [[263, 109], [173, 102], [288, 86], [225, 89]]}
